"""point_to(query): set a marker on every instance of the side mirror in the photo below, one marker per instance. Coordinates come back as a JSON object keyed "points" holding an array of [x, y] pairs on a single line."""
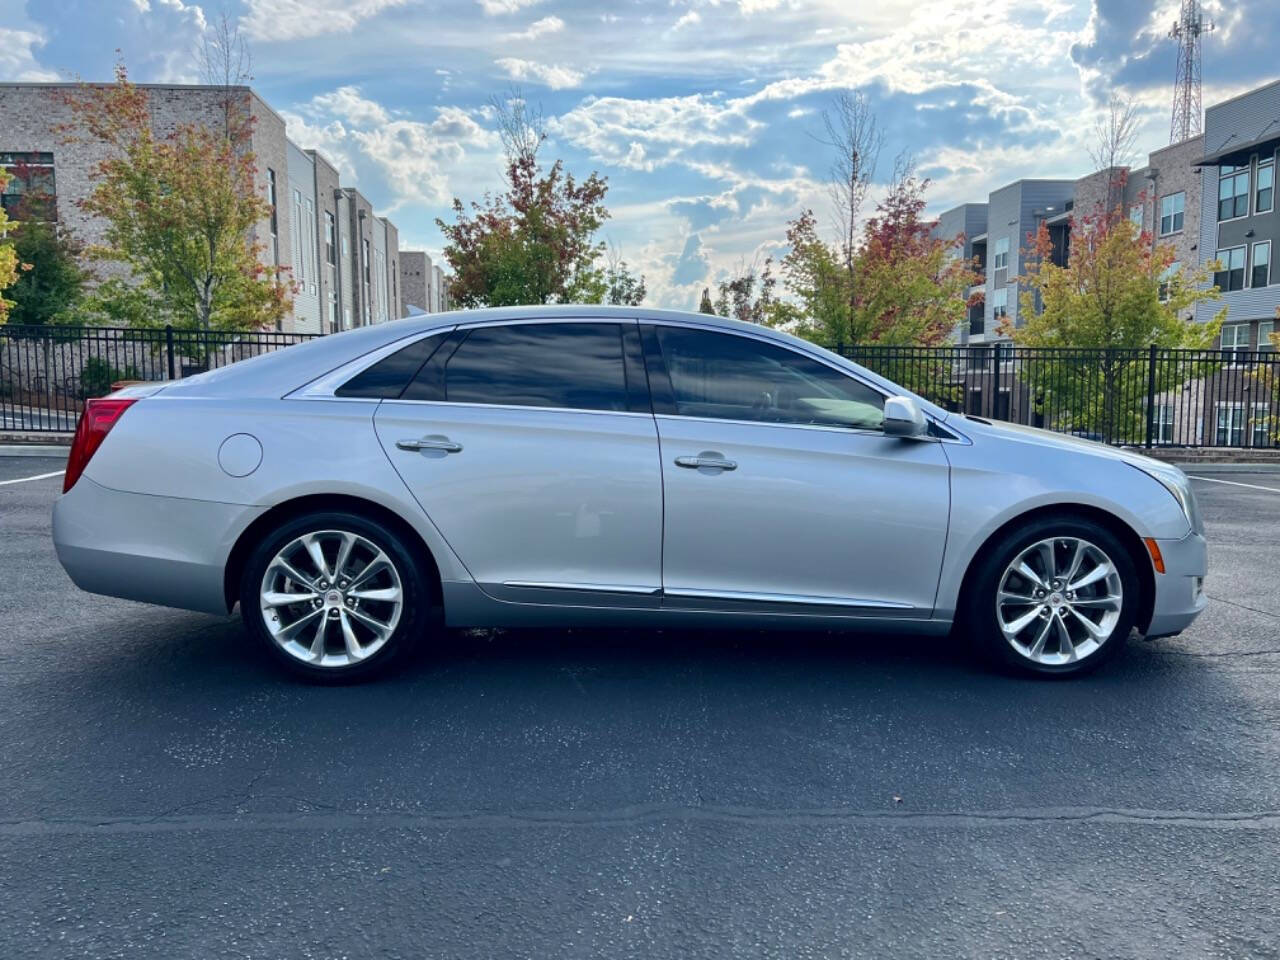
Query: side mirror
{"points": [[904, 418]]}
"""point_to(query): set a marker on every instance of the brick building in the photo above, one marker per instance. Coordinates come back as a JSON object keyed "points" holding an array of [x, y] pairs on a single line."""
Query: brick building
{"points": [[344, 258]]}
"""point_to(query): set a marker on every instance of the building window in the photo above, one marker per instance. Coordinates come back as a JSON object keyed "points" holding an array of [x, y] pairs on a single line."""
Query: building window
{"points": [[1261, 423], [330, 251], [1266, 330], [1231, 274], [312, 272], [1135, 215], [1233, 193], [1001, 261], [1168, 280], [1000, 303], [1172, 210], [1230, 424], [295, 237], [1164, 423], [1235, 336], [31, 193], [271, 202], [1264, 198], [1260, 268]]}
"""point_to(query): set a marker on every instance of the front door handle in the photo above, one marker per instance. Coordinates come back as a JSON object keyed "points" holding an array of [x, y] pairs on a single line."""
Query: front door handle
{"points": [[707, 460], [434, 442]]}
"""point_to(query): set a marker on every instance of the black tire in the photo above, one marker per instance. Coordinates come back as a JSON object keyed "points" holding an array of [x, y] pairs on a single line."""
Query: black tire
{"points": [[978, 615], [410, 622]]}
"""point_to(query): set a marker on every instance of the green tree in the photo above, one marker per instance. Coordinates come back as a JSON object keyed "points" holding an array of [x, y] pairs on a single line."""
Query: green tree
{"points": [[750, 296], [49, 290], [1114, 298], [180, 212], [536, 241], [908, 288], [8, 257]]}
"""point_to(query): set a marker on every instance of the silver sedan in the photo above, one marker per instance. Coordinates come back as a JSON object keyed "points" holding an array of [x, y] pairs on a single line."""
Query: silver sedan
{"points": [[610, 466]]}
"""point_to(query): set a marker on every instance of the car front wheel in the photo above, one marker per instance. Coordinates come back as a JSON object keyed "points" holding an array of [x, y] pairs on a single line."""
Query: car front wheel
{"points": [[1055, 597], [334, 596]]}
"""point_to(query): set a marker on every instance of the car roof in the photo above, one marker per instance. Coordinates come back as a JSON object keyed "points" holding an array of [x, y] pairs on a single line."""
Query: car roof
{"points": [[280, 372]]}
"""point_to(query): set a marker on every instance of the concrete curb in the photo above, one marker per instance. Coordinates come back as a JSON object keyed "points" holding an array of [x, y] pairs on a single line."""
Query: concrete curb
{"points": [[53, 451], [1207, 468]]}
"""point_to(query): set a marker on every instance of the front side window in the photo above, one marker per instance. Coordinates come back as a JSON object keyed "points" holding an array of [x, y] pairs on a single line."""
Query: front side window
{"points": [[1002, 254], [1261, 269], [1233, 193], [1172, 212], [728, 377], [1231, 274], [575, 366], [1266, 190]]}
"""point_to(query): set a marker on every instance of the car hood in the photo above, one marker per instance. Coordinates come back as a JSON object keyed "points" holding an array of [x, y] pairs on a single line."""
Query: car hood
{"points": [[1036, 437]]}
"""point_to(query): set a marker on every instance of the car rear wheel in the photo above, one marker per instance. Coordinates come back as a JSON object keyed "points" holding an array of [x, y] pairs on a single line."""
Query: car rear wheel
{"points": [[1056, 597], [334, 597]]}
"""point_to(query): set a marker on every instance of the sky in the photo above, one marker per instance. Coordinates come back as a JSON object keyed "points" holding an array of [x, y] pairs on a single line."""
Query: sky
{"points": [[704, 115]]}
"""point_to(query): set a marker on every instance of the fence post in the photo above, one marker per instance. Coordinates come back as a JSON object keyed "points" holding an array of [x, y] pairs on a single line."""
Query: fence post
{"points": [[995, 378], [168, 344], [1151, 395]]}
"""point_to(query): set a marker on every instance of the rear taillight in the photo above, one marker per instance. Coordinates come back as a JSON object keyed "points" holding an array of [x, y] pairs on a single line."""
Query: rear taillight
{"points": [[99, 416]]}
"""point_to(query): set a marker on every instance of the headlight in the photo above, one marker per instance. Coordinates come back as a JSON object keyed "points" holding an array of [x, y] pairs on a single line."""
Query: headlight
{"points": [[1179, 487]]}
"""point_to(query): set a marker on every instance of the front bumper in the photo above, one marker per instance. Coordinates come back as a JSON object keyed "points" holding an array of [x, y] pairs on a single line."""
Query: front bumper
{"points": [[1180, 589], [165, 550]]}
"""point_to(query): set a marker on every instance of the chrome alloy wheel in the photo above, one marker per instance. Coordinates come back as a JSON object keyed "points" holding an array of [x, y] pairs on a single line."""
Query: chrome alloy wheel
{"points": [[1059, 601], [331, 598]]}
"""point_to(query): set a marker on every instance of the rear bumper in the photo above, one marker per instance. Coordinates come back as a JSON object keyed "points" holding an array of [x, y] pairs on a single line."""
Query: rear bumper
{"points": [[164, 550], [1180, 589]]}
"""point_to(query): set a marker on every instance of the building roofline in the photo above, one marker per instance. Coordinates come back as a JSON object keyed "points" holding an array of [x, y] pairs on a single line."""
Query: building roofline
{"points": [[66, 85], [1241, 96]]}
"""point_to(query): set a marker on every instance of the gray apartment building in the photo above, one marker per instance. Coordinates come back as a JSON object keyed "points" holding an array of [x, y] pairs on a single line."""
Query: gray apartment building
{"points": [[1239, 224], [1011, 215], [344, 259]]}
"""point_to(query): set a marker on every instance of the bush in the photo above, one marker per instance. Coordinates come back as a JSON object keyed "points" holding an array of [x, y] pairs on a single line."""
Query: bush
{"points": [[97, 375]]}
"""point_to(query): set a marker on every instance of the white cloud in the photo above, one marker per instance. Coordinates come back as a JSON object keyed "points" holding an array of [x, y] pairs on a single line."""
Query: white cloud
{"points": [[417, 160], [346, 103], [749, 7], [555, 77], [494, 8], [644, 134], [689, 19], [273, 21], [17, 57], [539, 28]]}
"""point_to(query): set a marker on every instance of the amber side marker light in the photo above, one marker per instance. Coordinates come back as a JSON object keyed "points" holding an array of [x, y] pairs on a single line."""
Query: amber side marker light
{"points": [[99, 416], [1157, 559]]}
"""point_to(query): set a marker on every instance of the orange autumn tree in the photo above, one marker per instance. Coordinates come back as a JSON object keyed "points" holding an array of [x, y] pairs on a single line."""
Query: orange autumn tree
{"points": [[180, 211]]}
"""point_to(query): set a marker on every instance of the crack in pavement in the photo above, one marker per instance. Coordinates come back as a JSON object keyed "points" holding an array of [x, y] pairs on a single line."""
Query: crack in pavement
{"points": [[1243, 606], [625, 816]]}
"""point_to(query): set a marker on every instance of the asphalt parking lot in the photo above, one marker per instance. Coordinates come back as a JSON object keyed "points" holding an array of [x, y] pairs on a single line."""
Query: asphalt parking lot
{"points": [[593, 794]]}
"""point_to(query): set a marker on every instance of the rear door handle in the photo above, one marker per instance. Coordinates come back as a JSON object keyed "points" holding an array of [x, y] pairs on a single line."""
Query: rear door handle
{"points": [[707, 460], [430, 443]]}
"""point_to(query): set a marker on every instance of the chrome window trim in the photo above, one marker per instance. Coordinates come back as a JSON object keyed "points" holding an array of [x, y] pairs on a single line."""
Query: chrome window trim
{"points": [[517, 406]]}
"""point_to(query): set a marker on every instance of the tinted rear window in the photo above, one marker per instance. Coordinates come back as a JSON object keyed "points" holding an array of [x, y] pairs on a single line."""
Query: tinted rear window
{"points": [[387, 378], [573, 365]]}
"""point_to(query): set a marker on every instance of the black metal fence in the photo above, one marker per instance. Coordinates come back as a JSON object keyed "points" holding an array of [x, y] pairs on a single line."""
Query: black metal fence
{"points": [[46, 373], [1148, 398]]}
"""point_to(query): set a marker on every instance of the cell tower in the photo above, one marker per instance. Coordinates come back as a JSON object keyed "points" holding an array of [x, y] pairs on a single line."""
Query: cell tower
{"points": [[1186, 88]]}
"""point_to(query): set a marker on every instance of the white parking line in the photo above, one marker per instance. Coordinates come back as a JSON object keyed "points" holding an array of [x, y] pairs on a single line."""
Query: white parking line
{"points": [[1237, 483], [38, 476]]}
